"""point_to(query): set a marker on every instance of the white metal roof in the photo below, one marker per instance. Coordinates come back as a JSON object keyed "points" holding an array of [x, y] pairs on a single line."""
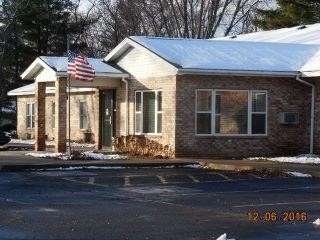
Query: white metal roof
{"points": [[225, 55], [308, 34], [30, 90]]}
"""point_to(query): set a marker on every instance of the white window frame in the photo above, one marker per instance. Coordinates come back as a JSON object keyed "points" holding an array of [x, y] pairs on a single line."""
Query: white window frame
{"points": [[81, 115], [260, 113], [213, 113], [30, 115], [141, 112], [210, 112]]}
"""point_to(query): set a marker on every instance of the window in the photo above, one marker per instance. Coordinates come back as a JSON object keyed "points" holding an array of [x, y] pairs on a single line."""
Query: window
{"points": [[204, 111], [259, 112], [83, 115], [148, 112], [53, 114], [30, 115], [231, 112]]}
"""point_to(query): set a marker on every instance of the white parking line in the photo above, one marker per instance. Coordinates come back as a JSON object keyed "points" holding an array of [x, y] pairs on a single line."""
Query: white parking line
{"points": [[221, 175], [91, 180], [127, 181], [255, 176], [193, 178], [162, 179]]}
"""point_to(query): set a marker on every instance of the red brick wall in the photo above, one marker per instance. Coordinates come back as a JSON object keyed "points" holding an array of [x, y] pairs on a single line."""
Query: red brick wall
{"points": [[284, 94], [316, 81]]}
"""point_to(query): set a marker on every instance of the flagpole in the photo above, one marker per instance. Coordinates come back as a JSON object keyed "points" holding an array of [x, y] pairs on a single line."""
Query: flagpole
{"points": [[69, 108]]}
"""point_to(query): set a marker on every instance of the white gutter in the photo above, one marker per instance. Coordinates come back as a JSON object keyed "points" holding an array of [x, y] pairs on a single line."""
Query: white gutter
{"points": [[234, 72], [298, 78], [127, 107]]}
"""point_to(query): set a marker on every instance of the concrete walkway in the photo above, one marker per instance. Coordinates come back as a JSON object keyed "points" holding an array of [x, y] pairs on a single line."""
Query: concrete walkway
{"points": [[17, 160]]}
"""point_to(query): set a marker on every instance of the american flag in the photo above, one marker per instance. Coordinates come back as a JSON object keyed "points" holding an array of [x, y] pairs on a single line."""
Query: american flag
{"points": [[79, 67]]}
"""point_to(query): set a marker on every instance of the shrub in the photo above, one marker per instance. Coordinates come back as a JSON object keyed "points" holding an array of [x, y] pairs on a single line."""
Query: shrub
{"points": [[142, 146]]}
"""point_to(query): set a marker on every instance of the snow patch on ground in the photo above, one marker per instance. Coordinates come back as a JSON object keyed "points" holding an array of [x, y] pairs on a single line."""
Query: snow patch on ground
{"points": [[101, 156], [97, 168], [303, 159], [79, 168], [298, 174], [224, 237], [21, 141], [51, 143], [83, 155], [317, 222]]}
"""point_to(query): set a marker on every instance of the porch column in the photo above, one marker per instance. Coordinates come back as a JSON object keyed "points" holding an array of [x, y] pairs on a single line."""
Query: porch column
{"points": [[97, 117], [60, 114], [40, 122]]}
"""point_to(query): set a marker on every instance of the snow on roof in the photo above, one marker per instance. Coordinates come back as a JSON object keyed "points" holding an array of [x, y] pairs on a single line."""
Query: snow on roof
{"points": [[229, 55], [30, 90], [60, 64], [308, 34]]}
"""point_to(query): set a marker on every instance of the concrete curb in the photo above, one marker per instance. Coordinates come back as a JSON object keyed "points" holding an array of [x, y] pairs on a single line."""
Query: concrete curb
{"points": [[25, 167], [235, 167], [228, 167]]}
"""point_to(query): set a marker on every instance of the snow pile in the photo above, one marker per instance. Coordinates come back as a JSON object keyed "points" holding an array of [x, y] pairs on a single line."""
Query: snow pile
{"points": [[304, 159], [62, 156], [224, 237], [100, 156], [21, 141], [317, 222], [89, 155], [298, 174], [84, 145], [51, 143]]}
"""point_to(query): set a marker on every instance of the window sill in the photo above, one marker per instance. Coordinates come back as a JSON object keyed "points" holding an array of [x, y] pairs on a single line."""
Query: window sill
{"points": [[149, 134], [85, 130], [231, 136]]}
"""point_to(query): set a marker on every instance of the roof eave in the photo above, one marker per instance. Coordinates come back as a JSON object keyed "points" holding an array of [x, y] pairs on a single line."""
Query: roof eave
{"points": [[19, 93], [185, 71], [34, 68], [310, 73], [99, 74]]}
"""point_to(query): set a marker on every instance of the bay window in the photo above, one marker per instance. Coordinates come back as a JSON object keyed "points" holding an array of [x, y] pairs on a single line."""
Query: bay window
{"points": [[231, 112], [148, 112]]}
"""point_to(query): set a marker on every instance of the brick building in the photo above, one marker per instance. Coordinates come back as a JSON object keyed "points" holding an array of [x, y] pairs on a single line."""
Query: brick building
{"points": [[203, 98]]}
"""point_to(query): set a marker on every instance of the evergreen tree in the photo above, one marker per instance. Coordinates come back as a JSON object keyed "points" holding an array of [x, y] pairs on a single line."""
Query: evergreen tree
{"points": [[31, 28], [289, 13]]}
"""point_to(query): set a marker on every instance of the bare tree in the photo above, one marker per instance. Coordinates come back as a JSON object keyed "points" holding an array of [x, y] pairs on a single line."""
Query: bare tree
{"points": [[201, 19]]}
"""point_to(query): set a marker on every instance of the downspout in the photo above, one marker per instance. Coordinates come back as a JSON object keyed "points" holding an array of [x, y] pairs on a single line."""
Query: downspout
{"points": [[298, 78], [126, 100]]}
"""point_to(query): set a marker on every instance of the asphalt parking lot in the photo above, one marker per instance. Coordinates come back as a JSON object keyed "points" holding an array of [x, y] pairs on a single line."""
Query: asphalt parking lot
{"points": [[178, 203]]}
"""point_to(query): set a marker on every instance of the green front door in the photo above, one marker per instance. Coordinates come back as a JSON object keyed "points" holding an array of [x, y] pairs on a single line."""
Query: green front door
{"points": [[107, 118]]}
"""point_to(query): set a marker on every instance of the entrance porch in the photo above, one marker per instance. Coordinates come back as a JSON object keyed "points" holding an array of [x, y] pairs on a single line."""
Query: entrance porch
{"points": [[105, 89]]}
